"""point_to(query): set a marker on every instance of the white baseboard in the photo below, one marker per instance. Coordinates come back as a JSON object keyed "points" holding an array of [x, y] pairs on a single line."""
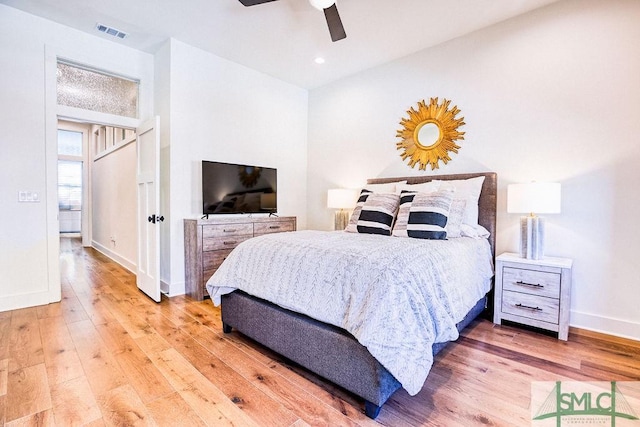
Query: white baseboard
{"points": [[172, 289], [128, 264], [15, 302], [165, 288], [606, 325], [169, 289]]}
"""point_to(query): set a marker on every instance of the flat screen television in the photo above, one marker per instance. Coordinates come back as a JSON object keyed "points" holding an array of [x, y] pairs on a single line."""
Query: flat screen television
{"points": [[229, 188]]}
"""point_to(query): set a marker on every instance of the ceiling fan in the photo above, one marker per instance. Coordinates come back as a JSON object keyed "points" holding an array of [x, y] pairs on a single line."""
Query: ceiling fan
{"points": [[330, 13]]}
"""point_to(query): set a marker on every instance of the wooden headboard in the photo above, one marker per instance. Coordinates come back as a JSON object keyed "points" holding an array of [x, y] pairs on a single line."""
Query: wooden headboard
{"points": [[486, 204]]}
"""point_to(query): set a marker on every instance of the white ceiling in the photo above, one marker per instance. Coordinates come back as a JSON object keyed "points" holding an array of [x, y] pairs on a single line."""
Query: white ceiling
{"points": [[282, 38]]}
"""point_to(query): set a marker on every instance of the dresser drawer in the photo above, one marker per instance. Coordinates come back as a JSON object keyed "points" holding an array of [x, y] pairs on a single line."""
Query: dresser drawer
{"points": [[211, 261], [218, 243], [531, 282], [223, 230], [208, 242], [273, 227], [531, 306]]}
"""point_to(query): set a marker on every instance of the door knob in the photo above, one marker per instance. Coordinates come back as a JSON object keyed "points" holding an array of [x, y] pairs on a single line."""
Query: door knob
{"points": [[153, 218]]}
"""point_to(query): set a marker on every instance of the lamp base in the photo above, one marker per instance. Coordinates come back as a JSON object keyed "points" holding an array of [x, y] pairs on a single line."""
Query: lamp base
{"points": [[531, 237], [341, 219]]}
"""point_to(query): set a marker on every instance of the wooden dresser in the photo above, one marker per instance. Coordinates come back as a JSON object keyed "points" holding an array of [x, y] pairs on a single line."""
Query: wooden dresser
{"points": [[207, 242]]}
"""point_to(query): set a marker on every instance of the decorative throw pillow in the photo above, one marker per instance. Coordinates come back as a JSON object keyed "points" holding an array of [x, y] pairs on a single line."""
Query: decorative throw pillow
{"points": [[469, 190], [377, 214], [423, 215], [352, 227], [456, 216]]}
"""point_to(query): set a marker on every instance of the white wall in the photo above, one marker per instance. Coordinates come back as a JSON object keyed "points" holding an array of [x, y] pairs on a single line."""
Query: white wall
{"points": [[29, 234], [162, 91], [221, 111], [553, 95], [114, 206]]}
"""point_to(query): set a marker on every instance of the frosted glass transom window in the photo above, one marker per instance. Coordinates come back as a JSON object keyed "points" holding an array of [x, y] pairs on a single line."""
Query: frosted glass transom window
{"points": [[90, 90]]}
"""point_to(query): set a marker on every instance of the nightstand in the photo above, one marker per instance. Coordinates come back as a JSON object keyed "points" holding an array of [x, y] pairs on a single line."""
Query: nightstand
{"points": [[534, 292]]}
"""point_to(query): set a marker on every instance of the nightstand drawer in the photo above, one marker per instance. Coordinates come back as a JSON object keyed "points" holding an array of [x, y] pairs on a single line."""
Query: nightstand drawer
{"points": [[228, 242], [224, 230], [273, 227], [531, 282], [531, 306]]}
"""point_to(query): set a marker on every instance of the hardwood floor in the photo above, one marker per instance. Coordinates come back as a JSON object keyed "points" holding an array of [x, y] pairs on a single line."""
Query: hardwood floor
{"points": [[108, 355]]}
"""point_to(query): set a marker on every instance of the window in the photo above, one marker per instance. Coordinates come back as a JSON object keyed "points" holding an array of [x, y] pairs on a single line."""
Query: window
{"points": [[108, 138], [70, 185], [91, 90], [69, 143]]}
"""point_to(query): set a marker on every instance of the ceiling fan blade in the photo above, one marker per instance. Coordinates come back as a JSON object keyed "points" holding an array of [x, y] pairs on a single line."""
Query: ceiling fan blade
{"points": [[254, 2], [335, 23]]}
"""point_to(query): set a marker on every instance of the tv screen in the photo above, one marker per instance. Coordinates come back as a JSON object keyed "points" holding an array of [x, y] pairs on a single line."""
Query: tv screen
{"points": [[232, 188]]}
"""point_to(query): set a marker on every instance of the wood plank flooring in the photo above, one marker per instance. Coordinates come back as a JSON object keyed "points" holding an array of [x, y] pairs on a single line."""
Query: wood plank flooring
{"points": [[108, 355]]}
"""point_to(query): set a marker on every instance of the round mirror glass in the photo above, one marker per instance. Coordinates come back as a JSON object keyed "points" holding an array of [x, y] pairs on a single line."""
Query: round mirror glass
{"points": [[428, 134]]}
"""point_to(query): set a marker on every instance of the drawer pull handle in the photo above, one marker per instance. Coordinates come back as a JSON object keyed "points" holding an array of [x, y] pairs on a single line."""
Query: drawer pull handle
{"points": [[230, 230], [228, 243], [533, 285], [528, 307], [274, 227]]}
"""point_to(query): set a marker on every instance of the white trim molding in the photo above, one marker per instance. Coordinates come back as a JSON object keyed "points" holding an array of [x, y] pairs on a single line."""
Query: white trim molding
{"points": [[126, 263], [606, 325]]}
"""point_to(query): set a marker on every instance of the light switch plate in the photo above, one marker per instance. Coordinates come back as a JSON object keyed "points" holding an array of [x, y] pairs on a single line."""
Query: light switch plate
{"points": [[28, 197]]}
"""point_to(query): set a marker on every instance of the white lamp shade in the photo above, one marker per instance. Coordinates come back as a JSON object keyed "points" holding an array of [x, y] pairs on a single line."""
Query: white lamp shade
{"points": [[534, 198], [321, 4], [341, 198]]}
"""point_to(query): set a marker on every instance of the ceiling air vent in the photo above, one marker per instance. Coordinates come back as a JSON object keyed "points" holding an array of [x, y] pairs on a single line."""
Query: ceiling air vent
{"points": [[111, 31]]}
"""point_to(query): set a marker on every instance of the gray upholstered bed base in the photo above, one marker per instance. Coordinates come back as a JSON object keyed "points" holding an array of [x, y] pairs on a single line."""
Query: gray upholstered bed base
{"points": [[326, 350], [331, 352]]}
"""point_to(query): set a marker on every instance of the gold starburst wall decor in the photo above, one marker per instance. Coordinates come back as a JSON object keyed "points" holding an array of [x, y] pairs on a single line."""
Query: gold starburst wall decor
{"points": [[428, 134]]}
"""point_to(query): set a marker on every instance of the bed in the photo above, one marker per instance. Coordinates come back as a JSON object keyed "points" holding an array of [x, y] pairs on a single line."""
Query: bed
{"points": [[346, 352]]}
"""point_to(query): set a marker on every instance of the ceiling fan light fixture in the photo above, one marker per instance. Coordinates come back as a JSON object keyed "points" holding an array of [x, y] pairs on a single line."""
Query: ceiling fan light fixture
{"points": [[322, 4]]}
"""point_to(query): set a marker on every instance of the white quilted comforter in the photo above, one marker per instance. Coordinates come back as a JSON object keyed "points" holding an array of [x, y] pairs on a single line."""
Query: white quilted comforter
{"points": [[397, 296]]}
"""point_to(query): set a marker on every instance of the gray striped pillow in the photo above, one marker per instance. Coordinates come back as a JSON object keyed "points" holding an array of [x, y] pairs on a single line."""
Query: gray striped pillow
{"points": [[378, 213], [423, 215], [352, 227]]}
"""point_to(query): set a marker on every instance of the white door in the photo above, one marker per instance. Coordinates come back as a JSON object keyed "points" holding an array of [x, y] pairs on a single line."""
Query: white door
{"points": [[149, 217]]}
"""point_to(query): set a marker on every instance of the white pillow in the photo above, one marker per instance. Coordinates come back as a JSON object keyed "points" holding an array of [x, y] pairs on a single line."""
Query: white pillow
{"points": [[476, 232], [389, 187], [425, 187], [468, 190]]}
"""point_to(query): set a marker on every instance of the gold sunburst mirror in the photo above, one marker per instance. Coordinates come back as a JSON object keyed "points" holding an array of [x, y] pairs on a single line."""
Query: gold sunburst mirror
{"points": [[428, 134]]}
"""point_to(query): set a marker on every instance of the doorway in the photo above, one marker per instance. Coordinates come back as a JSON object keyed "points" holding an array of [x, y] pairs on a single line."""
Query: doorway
{"points": [[118, 100], [97, 188], [73, 191]]}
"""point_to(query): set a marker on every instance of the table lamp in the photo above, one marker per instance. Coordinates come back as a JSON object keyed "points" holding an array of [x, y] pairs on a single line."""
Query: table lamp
{"points": [[341, 198], [533, 198]]}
